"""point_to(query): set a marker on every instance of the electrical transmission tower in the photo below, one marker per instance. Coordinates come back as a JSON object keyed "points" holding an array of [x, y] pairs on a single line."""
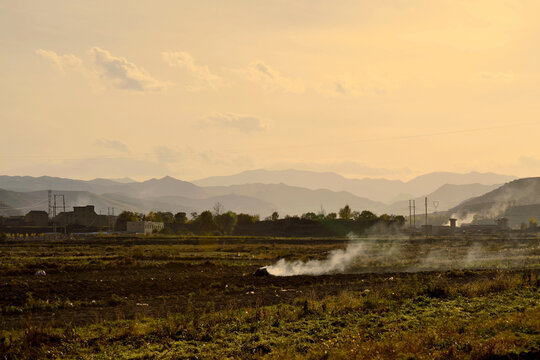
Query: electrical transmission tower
{"points": [[55, 206]]}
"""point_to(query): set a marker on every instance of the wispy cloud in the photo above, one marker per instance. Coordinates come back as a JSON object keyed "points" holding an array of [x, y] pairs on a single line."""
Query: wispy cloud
{"points": [[270, 79], [203, 78], [353, 86], [123, 74], [112, 144], [62, 62], [238, 122]]}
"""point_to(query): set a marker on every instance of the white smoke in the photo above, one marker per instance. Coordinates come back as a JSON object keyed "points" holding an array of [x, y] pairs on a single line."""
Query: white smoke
{"points": [[338, 261], [461, 219], [400, 254]]}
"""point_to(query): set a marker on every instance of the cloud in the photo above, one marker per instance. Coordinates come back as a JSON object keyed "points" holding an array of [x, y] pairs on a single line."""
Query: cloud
{"points": [[203, 77], [123, 74], [353, 86], [112, 144], [238, 122], [260, 73], [62, 62]]}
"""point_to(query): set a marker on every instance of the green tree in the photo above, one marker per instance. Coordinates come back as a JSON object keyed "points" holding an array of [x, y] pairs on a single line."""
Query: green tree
{"points": [[309, 216], [160, 216], [244, 219], [226, 222], [180, 218], [345, 213], [205, 222], [331, 216], [532, 223], [275, 216]]}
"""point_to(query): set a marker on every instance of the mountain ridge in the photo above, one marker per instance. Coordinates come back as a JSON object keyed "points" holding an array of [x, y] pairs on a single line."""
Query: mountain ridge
{"points": [[376, 189]]}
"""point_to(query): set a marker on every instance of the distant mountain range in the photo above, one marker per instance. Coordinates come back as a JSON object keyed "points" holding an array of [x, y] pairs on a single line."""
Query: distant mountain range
{"points": [[322, 191], [382, 190], [298, 200]]}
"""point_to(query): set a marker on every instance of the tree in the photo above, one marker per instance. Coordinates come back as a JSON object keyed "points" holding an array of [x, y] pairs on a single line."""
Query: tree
{"points": [[218, 208], [275, 216], [226, 222], [367, 217], [160, 216], [180, 218], [399, 220], [244, 219], [205, 222], [166, 217], [151, 216], [532, 223], [194, 215], [345, 212], [331, 216], [309, 216], [124, 217]]}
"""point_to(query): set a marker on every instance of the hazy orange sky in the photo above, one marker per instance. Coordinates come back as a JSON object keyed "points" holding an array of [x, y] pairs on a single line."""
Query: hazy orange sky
{"points": [[197, 88]]}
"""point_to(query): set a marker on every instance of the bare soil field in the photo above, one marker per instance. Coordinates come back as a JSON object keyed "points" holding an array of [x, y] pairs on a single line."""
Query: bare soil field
{"points": [[93, 282]]}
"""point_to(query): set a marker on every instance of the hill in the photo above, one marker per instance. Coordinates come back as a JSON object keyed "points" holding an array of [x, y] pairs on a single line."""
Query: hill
{"points": [[447, 197], [515, 200]]}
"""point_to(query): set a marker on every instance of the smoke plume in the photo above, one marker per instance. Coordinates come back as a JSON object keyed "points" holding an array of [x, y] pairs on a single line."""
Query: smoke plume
{"points": [[338, 261], [402, 254]]}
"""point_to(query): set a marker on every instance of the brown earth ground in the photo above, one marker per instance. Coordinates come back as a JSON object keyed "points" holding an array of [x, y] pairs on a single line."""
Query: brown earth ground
{"points": [[111, 279]]}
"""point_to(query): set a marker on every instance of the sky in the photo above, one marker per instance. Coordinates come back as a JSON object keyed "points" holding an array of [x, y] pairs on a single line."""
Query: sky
{"points": [[191, 89]]}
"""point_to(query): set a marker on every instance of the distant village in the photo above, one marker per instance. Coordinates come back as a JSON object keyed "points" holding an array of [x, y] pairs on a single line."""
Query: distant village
{"points": [[83, 219]]}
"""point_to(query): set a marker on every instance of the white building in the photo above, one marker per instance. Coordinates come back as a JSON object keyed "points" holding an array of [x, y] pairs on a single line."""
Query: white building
{"points": [[144, 227]]}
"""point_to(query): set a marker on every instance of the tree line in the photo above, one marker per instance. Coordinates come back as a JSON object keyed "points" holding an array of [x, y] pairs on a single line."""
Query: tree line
{"points": [[220, 222]]}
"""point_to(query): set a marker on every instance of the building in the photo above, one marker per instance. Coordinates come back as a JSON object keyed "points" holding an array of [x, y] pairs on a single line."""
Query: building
{"points": [[144, 227], [36, 218], [500, 226], [85, 216]]}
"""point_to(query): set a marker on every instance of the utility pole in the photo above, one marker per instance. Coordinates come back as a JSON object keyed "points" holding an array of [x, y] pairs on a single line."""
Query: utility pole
{"points": [[426, 212], [54, 217], [410, 215], [414, 213], [49, 193]]}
